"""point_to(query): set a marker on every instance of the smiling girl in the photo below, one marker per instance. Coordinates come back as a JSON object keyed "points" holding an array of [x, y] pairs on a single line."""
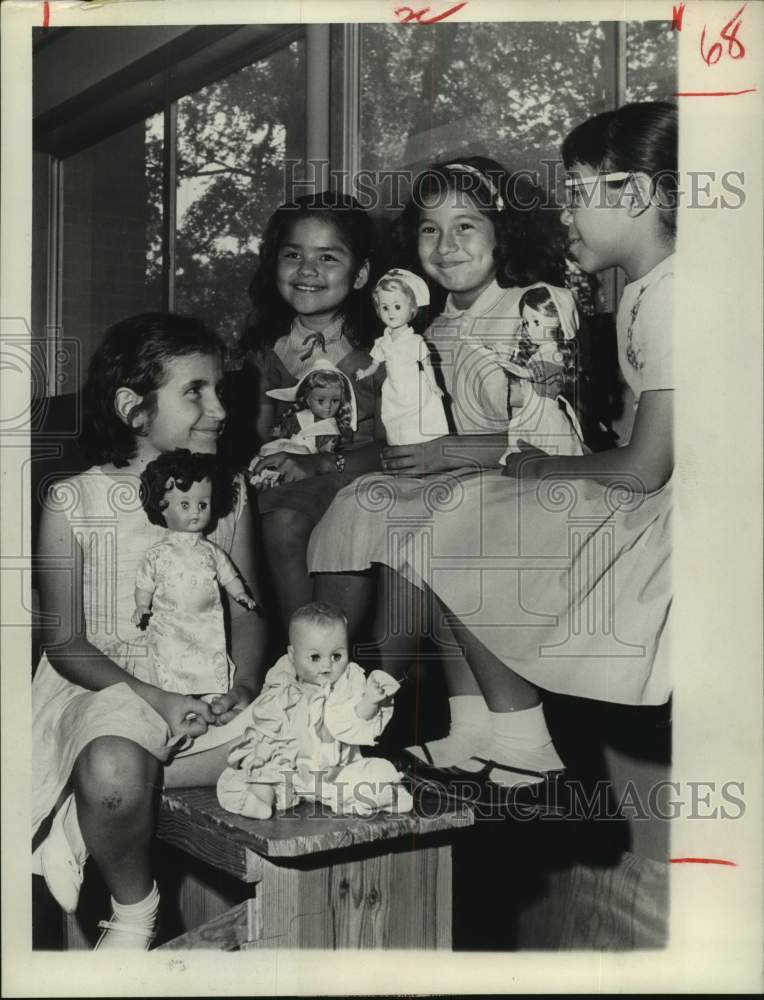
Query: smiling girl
{"points": [[102, 728], [310, 303]]}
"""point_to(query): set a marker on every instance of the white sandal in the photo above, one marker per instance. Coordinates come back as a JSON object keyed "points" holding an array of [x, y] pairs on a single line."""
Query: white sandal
{"points": [[143, 935]]}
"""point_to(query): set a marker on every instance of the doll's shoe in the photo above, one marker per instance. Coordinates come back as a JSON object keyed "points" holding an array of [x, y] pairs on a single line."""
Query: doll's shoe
{"points": [[62, 857], [116, 934]]}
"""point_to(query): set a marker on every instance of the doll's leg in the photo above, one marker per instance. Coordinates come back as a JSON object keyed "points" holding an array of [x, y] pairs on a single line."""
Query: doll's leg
{"points": [[245, 798]]}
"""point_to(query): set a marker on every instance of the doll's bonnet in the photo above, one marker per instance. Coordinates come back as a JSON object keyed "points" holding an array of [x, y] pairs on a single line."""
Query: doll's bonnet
{"points": [[289, 395]]}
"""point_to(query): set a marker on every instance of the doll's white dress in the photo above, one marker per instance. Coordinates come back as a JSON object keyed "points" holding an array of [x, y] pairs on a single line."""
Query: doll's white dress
{"points": [[304, 739], [185, 635], [412, 408]]}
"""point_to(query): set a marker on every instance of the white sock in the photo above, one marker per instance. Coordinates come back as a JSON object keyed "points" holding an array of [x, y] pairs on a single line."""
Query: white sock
{"points": [[132, 924], [521, 739], [469, 732]]}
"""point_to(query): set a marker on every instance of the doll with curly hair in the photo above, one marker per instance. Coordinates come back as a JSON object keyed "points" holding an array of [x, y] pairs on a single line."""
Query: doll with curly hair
{"points": [[322, 415], [178, 580]]}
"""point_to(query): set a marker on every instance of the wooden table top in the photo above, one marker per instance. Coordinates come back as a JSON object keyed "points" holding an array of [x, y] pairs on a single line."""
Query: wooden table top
{"points": [[307, 829]]}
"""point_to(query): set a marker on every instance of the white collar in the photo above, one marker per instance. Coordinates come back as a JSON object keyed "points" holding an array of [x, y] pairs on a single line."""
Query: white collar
{"points": [[482, 304]]}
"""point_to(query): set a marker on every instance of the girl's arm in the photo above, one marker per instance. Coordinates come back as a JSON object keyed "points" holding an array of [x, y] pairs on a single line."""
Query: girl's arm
{"points": [[454, 451], [248, 631], [65, 640], [648, 458]]}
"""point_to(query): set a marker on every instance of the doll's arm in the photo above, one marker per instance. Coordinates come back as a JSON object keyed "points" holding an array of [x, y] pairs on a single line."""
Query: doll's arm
{"points": [[229, 579], [145, 585], [366, 372], [380, 688]]}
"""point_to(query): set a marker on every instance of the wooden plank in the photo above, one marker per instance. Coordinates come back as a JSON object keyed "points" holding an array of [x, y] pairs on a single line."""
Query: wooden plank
{"points": [[192, 819], [399, 899], [230, 931]]}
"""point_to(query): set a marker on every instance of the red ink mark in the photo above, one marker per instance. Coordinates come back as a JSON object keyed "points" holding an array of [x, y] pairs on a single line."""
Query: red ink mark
{"points": [[702, 861], [418, 15], [45, 14], [677, 13], [713, 93], [729, 34]]}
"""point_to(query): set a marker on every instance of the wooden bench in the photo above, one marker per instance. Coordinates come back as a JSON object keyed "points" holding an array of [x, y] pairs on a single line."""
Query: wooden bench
{"points": [[307, 878]]}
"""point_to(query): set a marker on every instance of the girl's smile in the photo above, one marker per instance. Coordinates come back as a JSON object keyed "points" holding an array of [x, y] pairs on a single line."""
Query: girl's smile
{"points": [[189, 413], [456, 245], [316, 271]]}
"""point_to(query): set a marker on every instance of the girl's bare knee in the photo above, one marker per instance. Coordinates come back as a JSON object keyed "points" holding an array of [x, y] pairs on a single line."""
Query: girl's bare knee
{"points": [[115, 775]]}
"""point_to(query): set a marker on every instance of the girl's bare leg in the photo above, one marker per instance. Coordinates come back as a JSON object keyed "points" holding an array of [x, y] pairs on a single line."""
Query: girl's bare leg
{"points": [[518, 733], [116, 783], [353, 592], [285, 538]]}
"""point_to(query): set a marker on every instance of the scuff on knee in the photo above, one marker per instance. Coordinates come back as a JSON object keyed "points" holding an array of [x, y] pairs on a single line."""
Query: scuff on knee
{"points": [[112, 801]]}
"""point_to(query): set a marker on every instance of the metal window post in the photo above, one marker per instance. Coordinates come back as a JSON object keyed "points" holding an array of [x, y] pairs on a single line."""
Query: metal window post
{"points": [[317, 57]]}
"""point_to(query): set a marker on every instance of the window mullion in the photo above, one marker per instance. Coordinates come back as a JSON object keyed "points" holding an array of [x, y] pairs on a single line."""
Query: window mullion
{"points": [[54, 319], [169, 203]]}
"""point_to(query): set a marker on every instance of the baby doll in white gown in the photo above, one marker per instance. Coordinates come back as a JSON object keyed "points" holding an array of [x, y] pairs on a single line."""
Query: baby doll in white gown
{"points": [[412, 404], [315, 711], [322, 415]]}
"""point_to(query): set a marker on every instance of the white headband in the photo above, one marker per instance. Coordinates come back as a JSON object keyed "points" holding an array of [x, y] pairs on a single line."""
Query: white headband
{"points": [[467, 169]]}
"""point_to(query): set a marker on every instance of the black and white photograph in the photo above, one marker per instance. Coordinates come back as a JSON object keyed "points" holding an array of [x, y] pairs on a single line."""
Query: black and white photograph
{"points": [[381, 530]]}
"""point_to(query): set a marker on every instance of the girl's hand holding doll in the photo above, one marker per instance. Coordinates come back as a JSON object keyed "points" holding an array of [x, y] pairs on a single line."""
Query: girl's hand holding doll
{"points": [[522, 465], [184, 714], [227, 706], [290, 468]]}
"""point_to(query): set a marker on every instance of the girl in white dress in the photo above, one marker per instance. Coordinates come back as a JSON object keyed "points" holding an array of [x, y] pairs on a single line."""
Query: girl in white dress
{"points": [[555, 573], [412, 407], [102, 729]]}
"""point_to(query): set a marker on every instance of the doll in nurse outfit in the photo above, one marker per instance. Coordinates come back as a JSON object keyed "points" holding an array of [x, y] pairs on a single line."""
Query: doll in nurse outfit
{"points": [[412, 407], [315, 711], [540, 370], [178, 580], [322, 414]]}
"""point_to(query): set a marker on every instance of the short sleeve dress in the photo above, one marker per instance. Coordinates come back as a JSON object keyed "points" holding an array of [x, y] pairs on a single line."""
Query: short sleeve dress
{"points": [[110, 526], [566, 581]]}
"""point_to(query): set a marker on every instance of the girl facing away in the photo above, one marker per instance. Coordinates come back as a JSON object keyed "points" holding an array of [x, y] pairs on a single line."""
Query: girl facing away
{"points": [[581, 538], [310, 303], [103, 730]]}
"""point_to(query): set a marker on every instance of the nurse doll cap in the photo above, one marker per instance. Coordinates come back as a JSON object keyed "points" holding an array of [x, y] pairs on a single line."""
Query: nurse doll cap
{"points": [[289, 395], [417, 285]]}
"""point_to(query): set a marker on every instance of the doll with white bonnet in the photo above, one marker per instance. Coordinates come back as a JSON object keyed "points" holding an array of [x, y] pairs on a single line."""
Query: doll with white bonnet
{"points": [[540, 370], [178, 580], [412, 406], [322, 415]]}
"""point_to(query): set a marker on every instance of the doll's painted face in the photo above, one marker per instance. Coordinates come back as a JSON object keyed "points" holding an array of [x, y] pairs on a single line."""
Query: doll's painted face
{"points": [[393, 308], [189, 511], [537, 326], [319, 653], [324, 401]]}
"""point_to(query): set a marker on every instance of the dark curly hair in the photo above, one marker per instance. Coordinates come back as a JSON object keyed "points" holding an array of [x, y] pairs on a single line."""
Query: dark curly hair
{"points": [[541, 300], [529, 238], [134, 354], [635, 138], [183, 468], [270, 316]]}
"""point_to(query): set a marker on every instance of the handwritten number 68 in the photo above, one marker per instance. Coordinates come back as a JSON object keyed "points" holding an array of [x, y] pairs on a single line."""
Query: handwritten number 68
{"points": [[735, 48]]}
